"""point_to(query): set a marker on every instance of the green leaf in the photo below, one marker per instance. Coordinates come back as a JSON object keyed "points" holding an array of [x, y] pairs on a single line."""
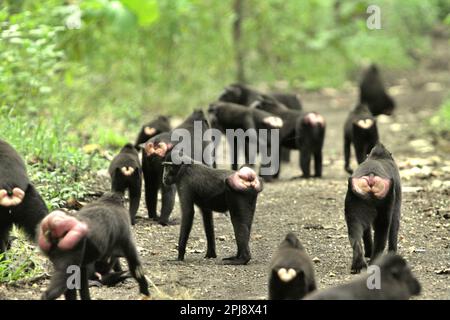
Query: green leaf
{"points": [[147, 11]]}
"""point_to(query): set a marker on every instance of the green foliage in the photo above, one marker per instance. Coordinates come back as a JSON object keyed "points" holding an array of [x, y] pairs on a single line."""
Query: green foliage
{"points": [[441, 121], [20, 262], [57, 165]]}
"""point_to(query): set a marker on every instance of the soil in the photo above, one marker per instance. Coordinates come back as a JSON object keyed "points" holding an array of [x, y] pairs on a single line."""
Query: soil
{"points": [[314, 208]]}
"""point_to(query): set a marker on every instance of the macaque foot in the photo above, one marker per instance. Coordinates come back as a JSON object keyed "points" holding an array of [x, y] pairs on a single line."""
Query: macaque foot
{"points": [[165, 223], [211, 255], [235, 260], [358, 265]]}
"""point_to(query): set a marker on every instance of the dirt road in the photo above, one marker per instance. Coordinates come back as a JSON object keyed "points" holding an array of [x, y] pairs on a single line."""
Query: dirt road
{"points": [[314, 209]]}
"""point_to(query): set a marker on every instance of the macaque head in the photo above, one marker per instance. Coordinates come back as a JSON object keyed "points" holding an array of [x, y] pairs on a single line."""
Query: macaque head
{"points": [[232, 93], [245, 179], [171, 172], [11, 197], [291, 241], [395, 268], [379, 151]]}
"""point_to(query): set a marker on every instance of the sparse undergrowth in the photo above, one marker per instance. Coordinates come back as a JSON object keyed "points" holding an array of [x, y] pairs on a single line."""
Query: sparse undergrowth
{"points": [[20, 262]]}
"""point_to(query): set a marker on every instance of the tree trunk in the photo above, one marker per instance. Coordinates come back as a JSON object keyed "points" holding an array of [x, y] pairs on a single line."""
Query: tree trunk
{"points": [[237, 32]]}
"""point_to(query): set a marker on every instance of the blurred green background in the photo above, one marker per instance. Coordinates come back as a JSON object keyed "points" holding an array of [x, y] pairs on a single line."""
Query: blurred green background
{"points": [[74, 73], [79, 77]]}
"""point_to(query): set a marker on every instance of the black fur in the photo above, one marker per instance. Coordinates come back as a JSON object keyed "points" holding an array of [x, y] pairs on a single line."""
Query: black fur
{"points": [[291, 255], [363, 139], [372, 92], [397, 283], [298, 135], [153, 170], [109, 235], [207, 188], [363, 213], [160, 124], [128, 157], [31, 210]]}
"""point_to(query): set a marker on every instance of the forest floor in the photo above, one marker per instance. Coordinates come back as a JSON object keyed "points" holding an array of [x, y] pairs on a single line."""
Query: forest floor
{"points": [[314, 209]]}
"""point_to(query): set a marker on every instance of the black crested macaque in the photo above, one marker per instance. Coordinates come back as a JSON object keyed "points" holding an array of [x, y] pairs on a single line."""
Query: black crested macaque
{"points": [[397, 282], [373, 199], [20, 203], [240, 94], [360, 129], [372, 92], [126, 174], [159, 125], [303, 131], [227, 115], [290, 100], [293, 102], [291, 271], [106, 272], [154, 154], [245, 95], [100, 229], [215, 190]]}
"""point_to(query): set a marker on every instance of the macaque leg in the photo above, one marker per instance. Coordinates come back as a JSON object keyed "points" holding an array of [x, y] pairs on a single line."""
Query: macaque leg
{"points": [[135, 198], [318, 163], [361, 153], [84, 290], [305, 161], [367, 238], [135, 267], [208, 224], [395, 223], [381, 230], [242, 221], [234, 154], [355, 233], [58, 285], [70, 294], [347, 145], [168, 202], [4, 235], [151, 197], [187, 217]]}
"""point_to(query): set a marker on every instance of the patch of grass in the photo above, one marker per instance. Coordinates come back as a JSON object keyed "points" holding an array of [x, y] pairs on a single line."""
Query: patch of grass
{"points": [[21, 261], [57, 165]]}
